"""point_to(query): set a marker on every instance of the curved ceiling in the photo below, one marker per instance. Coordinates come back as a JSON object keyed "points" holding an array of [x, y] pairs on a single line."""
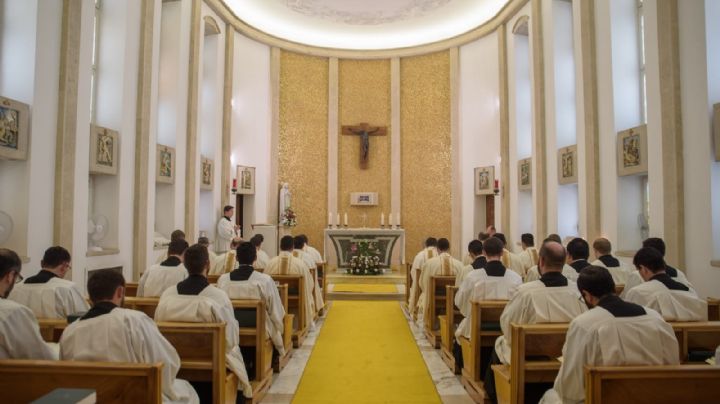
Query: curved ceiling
{"points": [[365, 24]]}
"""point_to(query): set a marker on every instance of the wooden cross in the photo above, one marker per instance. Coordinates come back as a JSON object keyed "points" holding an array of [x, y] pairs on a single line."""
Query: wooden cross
{"points": [[364, 130]]}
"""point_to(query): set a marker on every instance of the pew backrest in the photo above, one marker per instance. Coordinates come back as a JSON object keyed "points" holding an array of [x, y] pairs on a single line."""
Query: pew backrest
{"points": [[296, 297], [436, 298], [698, 336], [51, 329], [131, 289], [713, 309], [484, 330], [147, 305], [252, 316]]}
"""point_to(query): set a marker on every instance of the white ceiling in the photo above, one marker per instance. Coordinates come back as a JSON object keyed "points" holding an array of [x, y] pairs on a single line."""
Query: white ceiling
{"points": [[365, 24]]}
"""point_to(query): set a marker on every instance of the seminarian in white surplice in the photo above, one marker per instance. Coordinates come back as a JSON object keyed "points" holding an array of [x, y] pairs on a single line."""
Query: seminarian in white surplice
{"points": [[634, 277], [509, 259], [299, 252], [47, 294], [603, 252], [226, 261], [170, 272], [194, 300], [175, 235], [19, 333], [612, 333], [110, 333], [529, 255], [430, 251], [262, 257], [442, 265], [247, 283]]}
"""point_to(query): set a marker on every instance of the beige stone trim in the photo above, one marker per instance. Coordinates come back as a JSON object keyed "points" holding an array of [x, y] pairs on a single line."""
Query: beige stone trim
{"points": [[395, 139], [455, 200], [521, 26], [332, 128], [67, 125], [227, 117], [671, 131], [191, 149], [210, 26], [504, 98], [504, 15], [142, 140], [273, 186], [539, 128]]}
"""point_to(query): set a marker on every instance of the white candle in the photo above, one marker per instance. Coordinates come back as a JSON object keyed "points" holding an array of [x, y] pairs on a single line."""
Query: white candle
{"points": [[337, 222], [398, 219], [345, 218], [390, 219], [329, 219], [382, 219]]}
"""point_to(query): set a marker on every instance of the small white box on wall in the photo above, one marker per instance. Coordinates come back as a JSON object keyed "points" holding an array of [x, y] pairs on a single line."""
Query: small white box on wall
{"points": [[363, 198]]}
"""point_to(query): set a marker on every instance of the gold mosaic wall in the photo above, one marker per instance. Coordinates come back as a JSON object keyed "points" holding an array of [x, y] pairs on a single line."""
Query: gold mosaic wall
{"points": [[426, 148], [364, 96], [303, 140]]}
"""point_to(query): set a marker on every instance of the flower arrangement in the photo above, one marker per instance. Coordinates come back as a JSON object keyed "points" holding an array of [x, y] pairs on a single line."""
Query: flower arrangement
{"points": [[288, 218], [364, 259]]}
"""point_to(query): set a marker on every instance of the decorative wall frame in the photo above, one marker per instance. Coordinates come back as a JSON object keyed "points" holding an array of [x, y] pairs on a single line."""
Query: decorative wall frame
{"points": [[567, 165], [206, 173], [716, 130], [165, 163], [364, 198], [104, 148], [632, 155], [525, 174], [246, 180], [14, 129], [485, 180]]}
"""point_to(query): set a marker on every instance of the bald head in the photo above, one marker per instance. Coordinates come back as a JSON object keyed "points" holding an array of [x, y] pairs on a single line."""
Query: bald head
{"points": [[552, 257]]}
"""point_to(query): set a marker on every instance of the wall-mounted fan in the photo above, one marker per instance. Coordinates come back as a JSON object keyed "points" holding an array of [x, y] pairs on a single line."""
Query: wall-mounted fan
{"points": [[98, 227], [6, 227]]}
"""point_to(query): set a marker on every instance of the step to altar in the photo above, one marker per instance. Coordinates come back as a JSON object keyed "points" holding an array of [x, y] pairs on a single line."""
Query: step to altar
{"points": [[391, 278]]}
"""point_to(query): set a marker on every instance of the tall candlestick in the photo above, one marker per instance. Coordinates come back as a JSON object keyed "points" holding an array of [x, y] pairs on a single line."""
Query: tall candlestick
{"points": [[329, 219], [345, 219], [337, 222], [382, 219], [390, 222]]}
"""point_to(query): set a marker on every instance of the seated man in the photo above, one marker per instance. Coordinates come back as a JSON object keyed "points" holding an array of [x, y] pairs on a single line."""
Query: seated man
{"points": [[204, 241], [175, 235], [194, 300], [47, 294], [19, 333], [529, 255], [430, 251], [470, 257], [262, 257], [578, 251], [603, 251], [509, 259], [611, 333], [551, 299], [672, 299], [225, 262], [634, 277], [110, 333], [286, 264], [493, 282], [299, 252], [533, 273], [312, 251], [159, 277], [476, 258], [240, 284], [442, 265]]}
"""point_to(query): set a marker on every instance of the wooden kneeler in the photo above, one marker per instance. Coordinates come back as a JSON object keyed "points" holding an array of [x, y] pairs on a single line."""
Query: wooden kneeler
{"points": [[448, 323], [435, 306], [296, 304]]}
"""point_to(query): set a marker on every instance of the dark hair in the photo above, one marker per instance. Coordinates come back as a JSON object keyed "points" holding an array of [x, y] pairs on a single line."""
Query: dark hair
{"points": [[603, 246], [482, 236], [177, 235], [304, 238], [178, 247], [650, 258], [475, 247], [596, 280], [103, 283], [431, 242], [527, 239], [286, 243], [260, 236], [578, 249], [246, 254], [443, 244], [9, 261], [196, 259], [55, 256], [554, 237], [493, 247], [298, 242], [656, 243], [256, 241], [228, 208], [501, 237], [553, 259], [204, 241]]}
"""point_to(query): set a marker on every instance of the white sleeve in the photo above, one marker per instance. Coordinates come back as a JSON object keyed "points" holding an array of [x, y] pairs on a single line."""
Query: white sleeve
{"points": [[224, 230], [275, 307], [577, 352], [514, 312], [21, 336], [153, 347], [70, 301], [462, 297], [141, 283]]}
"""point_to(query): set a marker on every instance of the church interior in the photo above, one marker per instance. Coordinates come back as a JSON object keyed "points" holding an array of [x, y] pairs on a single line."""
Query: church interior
{"points": [[344, 201]]}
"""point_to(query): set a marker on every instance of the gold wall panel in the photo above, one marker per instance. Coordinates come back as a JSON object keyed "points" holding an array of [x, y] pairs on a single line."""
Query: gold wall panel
{"points": [[303, 148], [426, 148], [364, 96]]}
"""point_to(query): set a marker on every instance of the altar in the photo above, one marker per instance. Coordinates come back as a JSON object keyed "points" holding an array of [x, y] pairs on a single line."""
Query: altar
{"points": [[339, 244]]}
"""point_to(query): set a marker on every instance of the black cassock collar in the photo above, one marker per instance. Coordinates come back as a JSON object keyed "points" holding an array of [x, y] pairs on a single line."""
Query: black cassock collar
{"points": [[242, 273], [193, 285], [98, 310]]}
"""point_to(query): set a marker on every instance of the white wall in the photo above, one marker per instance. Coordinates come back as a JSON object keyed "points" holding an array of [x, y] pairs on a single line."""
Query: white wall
{"points": [[712, 52]]}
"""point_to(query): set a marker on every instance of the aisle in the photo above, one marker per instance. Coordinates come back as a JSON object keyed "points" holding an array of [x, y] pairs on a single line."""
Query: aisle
{"points": [[366, 354]]}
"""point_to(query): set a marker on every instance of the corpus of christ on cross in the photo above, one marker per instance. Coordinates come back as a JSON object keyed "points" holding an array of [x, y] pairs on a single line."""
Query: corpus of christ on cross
{"points": [[364, 130]]}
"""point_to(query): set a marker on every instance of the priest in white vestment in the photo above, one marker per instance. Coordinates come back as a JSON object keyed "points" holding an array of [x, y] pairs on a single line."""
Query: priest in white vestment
{"points": [[47, 294], [430, 251], [225, 262], [19, 332], [286, 264], [672, 299], [509, 259], [194, 300], [110, 333], [170, 272], [299, 252], [247, 283], [262, 257], [603, 252], [529, 255], [226, 230], [175, 235], [634, 277], [442, 265], [612, 333]]}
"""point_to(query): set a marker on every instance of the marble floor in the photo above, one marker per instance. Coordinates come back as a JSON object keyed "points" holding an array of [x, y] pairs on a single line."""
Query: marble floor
{"points": [[447, 384]]}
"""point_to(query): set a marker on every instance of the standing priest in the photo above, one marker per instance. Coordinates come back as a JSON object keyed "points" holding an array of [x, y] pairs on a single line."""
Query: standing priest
{"points": [[226, 230]]}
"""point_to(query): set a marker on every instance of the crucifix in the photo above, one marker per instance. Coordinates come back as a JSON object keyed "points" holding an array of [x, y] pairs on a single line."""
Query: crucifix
{"points": [[364, 130]]}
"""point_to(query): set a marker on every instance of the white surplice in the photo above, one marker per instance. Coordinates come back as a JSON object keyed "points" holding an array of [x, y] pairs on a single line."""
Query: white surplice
{"points": [[529, 258], [212, 305], [286, 264], [157, 278], [601, 339], [477, 286], [125, 335], [533, 273], [260, 286], [418, 262], [634, 279], [311, 265], [442, 265], [673, 305], [20, 335], [619, 274], [262, 260], [57, 298], [225, 262], [225, 234], [534, 303], [512, 261], [314, 254]]}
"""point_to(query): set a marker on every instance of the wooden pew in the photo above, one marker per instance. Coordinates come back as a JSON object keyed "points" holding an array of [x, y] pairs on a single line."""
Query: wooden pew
{"points": [[448, 322], [435, 296], [619, 289], [213, 278], [651, 384], [484, 330], [296, 302], [252, 318], [201, 347], [147, 305], [51, 329], [713, 309], [287, 331], [131, 289], [22, 381], [696, 337], [534, 352]]}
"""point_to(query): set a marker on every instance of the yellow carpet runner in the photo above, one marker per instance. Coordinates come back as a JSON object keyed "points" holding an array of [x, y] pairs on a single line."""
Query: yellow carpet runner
{"points": [[365, 353], [364, 288]]}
